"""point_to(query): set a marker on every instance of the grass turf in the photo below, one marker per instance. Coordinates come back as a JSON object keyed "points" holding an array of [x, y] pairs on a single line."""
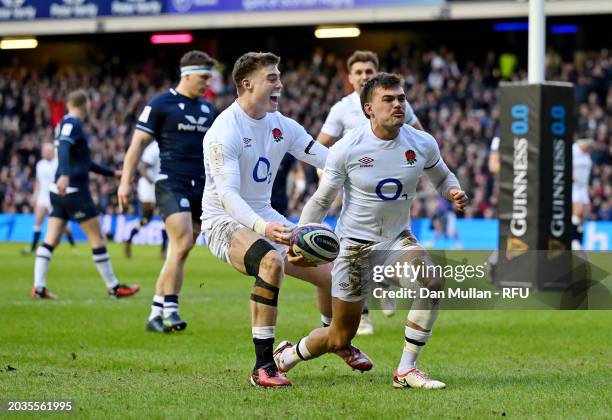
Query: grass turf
{"points": [[95, 351]]}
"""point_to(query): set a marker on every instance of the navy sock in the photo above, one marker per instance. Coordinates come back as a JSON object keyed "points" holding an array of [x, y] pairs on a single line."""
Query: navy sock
{"points": [[263, 351]]}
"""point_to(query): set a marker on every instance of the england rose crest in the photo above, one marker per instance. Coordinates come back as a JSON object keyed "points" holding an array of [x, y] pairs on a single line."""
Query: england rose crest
{"points": [[410, 157], [277, 134]]}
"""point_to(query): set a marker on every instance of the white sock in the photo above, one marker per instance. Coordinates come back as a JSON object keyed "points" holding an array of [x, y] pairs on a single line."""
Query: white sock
{"points": [[171, 305], [103, 264], [41, 265], [263, 333], [291, 356], [326, 320], [157, 307], [414, 342]]}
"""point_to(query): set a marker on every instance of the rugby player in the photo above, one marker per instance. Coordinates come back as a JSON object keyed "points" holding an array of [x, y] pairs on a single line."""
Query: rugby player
{"points": [[71, 200], [378, 165], [177, 120], [242, 153]]}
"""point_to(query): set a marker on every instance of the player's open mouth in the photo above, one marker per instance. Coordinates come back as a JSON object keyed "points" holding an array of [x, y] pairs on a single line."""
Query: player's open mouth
{"points": [[274, 97]]}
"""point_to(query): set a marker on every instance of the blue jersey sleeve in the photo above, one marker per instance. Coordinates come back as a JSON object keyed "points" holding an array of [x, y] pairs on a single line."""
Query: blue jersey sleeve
{"points": [[151, 118], [69, 131]]}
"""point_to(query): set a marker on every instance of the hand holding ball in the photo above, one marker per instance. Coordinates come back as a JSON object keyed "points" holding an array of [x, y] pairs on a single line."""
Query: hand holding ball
{"points": [[315, 243]]}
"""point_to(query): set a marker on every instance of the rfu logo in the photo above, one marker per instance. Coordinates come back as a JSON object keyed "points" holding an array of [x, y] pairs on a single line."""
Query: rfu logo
{"points": [[195, 124]]}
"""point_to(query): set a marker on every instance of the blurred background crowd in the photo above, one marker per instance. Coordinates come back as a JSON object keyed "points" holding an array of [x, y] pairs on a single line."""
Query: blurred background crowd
{"points": [[457, 102]]}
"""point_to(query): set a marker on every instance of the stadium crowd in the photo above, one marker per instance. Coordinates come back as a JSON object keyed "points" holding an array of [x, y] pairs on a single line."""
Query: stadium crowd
{"points": [[456, 103]]}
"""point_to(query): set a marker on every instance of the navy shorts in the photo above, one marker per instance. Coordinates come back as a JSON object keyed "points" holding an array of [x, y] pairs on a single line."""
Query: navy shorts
{"points": [[77, 206], [176, 196]]}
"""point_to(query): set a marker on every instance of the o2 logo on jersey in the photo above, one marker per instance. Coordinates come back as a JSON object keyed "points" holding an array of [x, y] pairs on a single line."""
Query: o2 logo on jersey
{"points": [[261, 171], [385, 195]]}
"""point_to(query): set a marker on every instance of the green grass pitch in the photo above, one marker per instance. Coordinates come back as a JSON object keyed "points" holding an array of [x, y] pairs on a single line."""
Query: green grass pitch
{"points": [[94, 351]]}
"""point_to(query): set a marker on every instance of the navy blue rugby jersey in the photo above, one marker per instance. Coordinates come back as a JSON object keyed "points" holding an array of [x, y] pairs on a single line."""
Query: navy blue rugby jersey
{"points": [[178, 123], [73, 153]]}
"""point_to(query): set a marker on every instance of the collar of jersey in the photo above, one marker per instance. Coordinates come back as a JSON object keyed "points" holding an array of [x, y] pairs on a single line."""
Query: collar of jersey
{"points": [[382, 143], [177, 93], [247, 117]]}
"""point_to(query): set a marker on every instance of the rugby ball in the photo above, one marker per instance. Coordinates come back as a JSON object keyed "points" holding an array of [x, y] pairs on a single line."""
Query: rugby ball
{"points": [[315, 243]]}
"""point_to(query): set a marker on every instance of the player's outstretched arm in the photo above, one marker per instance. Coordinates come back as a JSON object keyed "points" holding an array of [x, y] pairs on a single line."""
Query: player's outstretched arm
{"points": [[447, 185], [303, 147], [140, 140], [331, 183], [101, 169]]}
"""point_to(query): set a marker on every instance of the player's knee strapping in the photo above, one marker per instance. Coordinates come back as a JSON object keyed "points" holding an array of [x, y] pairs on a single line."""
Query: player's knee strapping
{"points": [[254, 255], [424, 318], [263, 292]]}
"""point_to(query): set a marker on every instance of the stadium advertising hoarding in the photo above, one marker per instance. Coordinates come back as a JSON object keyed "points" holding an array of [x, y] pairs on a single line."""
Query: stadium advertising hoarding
{"points": [[78, 9], [535, 179], [473, 234], [199, 6], [11, 10]]}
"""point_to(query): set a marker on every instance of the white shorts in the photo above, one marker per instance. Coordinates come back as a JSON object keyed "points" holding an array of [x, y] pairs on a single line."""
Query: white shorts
{"points": [[44, 200], [580, 195], [146, 191], [220, 229], [352, 272]]}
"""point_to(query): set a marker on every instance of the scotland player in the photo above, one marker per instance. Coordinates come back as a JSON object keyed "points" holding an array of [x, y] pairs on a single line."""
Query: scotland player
{"points": [[242, 153], [71, 200], [177, 120], [346, 115], [378, 165]]}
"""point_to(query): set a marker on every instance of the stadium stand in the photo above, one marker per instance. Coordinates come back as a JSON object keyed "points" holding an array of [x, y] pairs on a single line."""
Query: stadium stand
{"points": [[456, 102]]}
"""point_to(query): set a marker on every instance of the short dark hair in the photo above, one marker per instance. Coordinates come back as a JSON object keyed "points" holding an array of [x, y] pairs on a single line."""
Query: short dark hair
{"points": [[197, 58], [383, 80], [78, 98], [250, 62], [361, 56]]}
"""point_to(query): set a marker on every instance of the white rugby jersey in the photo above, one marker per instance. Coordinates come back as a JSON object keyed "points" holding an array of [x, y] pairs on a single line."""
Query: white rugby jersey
{"points": [[379, 178], [241, 159], [347, 114], [581, 164], [45, 174], [150, 156]]}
